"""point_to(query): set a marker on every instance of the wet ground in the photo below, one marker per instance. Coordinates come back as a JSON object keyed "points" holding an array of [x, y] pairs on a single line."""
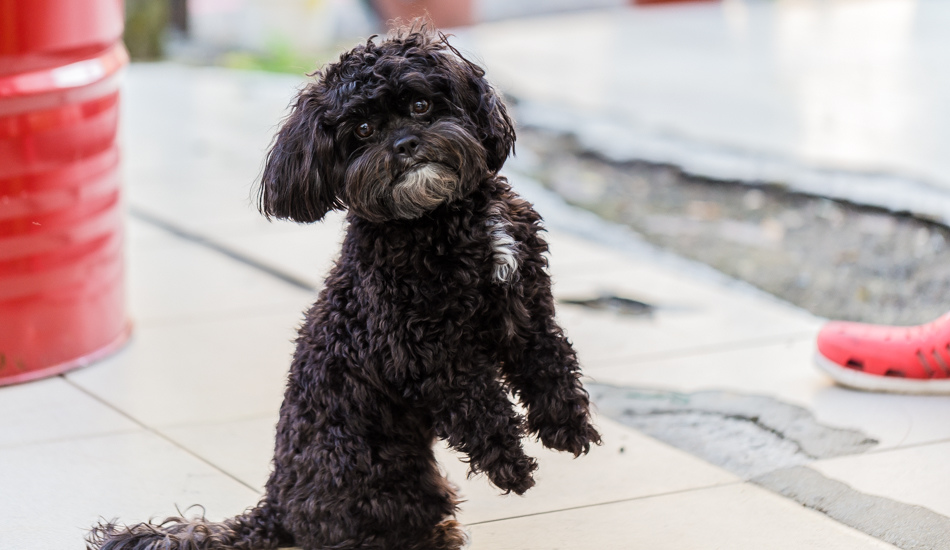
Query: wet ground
{"points": [[835, 259]]}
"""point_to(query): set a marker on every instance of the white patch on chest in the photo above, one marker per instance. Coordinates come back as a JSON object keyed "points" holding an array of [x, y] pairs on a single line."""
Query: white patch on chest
{"points": [[504, 252]]}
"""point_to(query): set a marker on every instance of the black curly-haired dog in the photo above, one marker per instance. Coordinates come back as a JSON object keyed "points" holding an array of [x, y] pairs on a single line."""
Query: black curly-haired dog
{"points": [[438, 306]]}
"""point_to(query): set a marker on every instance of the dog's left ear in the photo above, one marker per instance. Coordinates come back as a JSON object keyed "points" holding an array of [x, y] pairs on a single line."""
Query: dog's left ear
{"points": [[495, 129], [499, 139], [299, 182]]}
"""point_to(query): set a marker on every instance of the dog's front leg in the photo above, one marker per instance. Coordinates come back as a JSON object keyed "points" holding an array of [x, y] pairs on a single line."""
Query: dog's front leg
{"points": [[541, 365], [471, 411]]}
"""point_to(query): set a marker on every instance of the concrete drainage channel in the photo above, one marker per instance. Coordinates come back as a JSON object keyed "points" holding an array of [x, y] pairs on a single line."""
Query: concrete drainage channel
{"points": [[769, 443]]}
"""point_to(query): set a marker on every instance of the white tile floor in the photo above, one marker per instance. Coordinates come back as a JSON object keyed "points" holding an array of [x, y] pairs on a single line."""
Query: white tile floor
{"points": [[230, 368], [54, 410], [175, 281], [53, 492], [185, 413], [628, 466], [734, 516]]}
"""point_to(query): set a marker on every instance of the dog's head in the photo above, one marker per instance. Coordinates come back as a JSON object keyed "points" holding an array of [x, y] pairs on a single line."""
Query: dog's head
{"points": [[392, 130]]}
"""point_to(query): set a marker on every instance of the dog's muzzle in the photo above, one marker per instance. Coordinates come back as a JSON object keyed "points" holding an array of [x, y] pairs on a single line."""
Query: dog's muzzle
{"points": [[422, 188]]}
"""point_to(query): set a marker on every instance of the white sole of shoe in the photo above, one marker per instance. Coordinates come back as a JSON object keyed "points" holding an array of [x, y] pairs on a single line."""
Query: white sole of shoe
{"points": [[871, 382]]}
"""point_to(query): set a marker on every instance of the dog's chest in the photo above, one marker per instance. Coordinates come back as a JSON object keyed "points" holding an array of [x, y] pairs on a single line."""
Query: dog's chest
{"points": [[456, 273]]}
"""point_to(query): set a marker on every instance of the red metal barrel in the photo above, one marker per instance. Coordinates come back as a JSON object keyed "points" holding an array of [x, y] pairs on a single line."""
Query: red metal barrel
{"points": [[62, 298]]}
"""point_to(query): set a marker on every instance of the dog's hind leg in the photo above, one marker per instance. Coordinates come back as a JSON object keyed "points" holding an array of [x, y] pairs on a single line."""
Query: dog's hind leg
{"points": [[402, 502], [447, 534], [364, 483], [424, 505]]}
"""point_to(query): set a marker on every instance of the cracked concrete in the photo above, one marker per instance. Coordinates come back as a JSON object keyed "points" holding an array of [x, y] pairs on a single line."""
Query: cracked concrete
{"points": [[770, 443], [903, 525], [748, 435]]}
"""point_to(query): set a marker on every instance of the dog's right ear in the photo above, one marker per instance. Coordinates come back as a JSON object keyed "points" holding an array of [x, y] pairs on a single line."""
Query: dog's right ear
{"points": [[298, 182]]}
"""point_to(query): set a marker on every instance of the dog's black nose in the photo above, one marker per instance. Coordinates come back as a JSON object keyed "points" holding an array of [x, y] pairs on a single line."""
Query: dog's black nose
{"points": [[406, 146]]}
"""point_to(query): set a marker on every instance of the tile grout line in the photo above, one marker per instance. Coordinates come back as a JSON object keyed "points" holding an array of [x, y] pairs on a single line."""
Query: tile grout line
{"points": [[210, 244], [609, 502], [158, 433]]}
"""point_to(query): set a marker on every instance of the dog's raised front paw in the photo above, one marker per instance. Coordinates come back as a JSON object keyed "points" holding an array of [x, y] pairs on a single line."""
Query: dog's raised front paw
{"points": [[576, 441]]}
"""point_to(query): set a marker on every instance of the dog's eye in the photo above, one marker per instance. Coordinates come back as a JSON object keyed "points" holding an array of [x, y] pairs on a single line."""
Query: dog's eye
{"points": [[420, 106], [365, 130]]}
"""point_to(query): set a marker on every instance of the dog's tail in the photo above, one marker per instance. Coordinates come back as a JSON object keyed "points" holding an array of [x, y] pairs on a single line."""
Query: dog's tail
{"points": [[257, 529]]}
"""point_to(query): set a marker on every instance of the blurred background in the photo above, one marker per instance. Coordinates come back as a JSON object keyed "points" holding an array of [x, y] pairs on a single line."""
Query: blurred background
{"points": [[741, 133], [289, 35]]}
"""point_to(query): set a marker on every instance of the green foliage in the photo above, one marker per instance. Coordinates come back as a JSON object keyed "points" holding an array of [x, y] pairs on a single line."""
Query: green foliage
{"points": [[279, 56], [145, 22]]}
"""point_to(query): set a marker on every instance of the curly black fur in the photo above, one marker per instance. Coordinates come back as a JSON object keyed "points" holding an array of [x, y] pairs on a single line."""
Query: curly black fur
{"points": [[438, 307]]}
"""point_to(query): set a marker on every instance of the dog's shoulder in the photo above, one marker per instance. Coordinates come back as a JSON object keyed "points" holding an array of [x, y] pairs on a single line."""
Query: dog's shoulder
{"points": [[514, 231]]}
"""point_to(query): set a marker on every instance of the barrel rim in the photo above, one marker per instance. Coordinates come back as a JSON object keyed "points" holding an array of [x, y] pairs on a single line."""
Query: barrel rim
{"points": [[60, 368]]}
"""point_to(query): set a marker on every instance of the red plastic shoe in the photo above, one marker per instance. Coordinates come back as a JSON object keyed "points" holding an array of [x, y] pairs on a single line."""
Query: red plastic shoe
{"points": [[887, 359]]}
